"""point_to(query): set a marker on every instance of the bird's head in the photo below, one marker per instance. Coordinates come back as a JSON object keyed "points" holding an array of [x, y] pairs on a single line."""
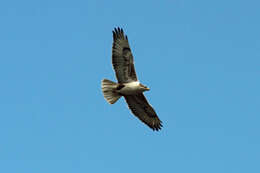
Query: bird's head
{"points": [[144, 88]]}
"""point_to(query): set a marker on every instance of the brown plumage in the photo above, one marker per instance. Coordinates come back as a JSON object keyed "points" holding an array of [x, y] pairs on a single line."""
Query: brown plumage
{"points": [[128, 86]]}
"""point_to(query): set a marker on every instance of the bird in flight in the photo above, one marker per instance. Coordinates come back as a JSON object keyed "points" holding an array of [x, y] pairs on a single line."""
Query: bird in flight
{"points": [[128, 85]]}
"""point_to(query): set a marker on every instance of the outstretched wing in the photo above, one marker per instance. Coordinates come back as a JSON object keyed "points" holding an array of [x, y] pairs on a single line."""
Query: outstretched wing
{"points": [[143, 110], [122, 58]]}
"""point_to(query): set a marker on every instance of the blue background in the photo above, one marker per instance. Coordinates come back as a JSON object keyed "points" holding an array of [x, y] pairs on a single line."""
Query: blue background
{"points": [[201, 60]]}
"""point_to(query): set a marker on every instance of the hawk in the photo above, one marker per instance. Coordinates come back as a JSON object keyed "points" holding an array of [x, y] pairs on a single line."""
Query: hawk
{"points": [[128, 85]]}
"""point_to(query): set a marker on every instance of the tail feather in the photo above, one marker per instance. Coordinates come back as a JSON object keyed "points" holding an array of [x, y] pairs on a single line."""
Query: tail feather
{"points": [[108, 89]]}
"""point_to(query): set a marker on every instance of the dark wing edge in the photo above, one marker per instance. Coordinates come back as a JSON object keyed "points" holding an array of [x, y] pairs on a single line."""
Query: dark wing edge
{"points": [[144, 111], [122, 58]]}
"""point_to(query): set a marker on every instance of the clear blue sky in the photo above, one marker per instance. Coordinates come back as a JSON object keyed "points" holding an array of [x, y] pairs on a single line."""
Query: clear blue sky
{"points": [[201, 60]]}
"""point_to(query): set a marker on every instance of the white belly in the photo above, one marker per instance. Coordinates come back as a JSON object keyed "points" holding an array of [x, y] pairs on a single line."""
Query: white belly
{"points": [[131, 89]]}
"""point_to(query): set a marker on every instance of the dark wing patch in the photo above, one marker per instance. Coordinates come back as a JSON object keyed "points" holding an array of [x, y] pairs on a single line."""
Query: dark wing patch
{"points": [[122, 58], [120, 86], [143, 110]]}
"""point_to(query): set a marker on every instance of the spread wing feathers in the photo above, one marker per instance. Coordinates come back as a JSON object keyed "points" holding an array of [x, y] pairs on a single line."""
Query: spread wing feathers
{"points": [[122, 58], [143, 110]]}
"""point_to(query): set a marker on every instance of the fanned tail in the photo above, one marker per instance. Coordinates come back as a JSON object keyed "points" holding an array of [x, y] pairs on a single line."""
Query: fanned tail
{"points": [[109, 91]]}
